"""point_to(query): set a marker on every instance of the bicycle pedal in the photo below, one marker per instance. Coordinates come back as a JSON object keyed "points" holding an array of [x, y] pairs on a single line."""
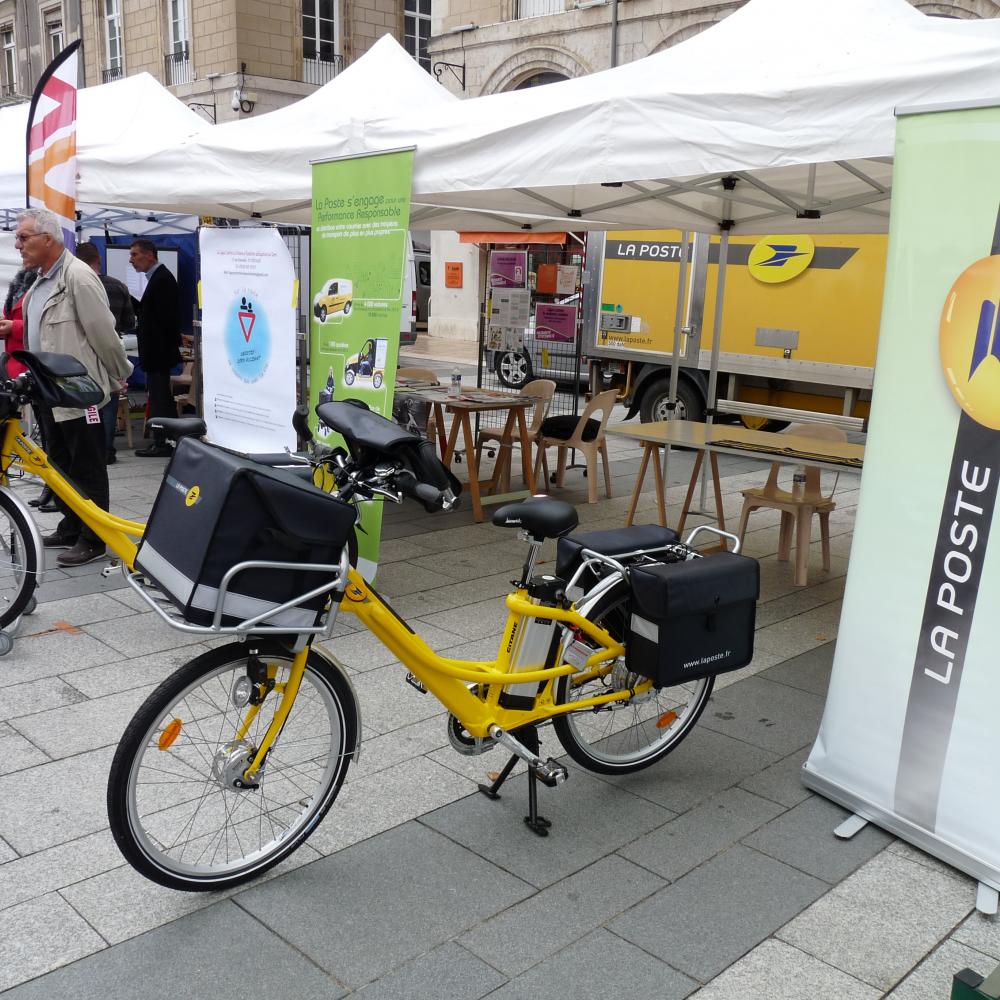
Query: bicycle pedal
{"points": [[549, 773], [415, 682]]}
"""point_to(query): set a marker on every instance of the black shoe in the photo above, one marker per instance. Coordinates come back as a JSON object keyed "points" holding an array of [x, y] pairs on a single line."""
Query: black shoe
{"points": [[83, 552], [43, 498], [155, 451], [111, 458], [49, 507], [57, 540]]}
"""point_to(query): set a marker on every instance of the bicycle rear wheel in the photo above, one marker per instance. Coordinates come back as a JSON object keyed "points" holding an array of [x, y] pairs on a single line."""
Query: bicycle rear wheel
{"points": [[19, 561], [175, 809], [635, 733]]}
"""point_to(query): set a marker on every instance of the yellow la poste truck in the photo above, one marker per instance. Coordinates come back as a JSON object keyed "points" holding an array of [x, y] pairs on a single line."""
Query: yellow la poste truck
{"points": [[799, 325]]}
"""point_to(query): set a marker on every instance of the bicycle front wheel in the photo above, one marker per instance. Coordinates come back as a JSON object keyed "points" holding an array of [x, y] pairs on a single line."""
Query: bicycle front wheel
{"points": [[176, 801], [629, 735], [19, 561]]}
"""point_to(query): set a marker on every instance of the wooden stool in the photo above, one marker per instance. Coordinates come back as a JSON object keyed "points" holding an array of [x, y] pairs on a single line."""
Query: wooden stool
{"points": [[124, 417]]}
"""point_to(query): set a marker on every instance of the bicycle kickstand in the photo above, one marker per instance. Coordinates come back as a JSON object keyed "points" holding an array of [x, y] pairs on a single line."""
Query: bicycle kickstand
{"points": [[547, 771]]}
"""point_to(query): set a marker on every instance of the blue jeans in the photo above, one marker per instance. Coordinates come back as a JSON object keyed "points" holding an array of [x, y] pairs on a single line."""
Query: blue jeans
{"points": [[109, 417]]}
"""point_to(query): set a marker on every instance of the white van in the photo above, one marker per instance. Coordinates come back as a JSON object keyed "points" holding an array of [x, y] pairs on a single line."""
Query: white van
{"points": [[408, 314]]}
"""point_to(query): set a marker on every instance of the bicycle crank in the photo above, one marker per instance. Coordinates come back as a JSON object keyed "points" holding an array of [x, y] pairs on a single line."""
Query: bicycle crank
{"points": [[548, 772], [461, 741]]}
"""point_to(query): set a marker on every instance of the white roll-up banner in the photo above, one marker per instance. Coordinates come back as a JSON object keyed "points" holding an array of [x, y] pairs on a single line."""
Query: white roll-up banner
{"points": [[909, 737], [248, 291]]}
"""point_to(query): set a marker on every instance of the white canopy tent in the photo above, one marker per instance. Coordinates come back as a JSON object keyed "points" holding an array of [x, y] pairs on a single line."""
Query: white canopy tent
{"points": [[259, 167], [113, 119], [792, 98]]}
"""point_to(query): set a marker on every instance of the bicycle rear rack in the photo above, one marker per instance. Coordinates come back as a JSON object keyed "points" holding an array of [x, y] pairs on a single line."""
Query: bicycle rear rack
{"points": [[258, 625]]}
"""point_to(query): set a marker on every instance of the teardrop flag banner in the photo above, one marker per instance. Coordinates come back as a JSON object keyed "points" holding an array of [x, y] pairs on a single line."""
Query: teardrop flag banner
{"points": [[51, 141]]}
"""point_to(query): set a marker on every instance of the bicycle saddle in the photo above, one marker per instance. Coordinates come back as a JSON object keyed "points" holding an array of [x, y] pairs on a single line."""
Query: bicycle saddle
{"points": [[539, 516], [179, 427]]}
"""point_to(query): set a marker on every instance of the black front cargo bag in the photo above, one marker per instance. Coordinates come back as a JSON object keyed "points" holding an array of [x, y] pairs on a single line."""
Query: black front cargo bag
{"points": [[692, 619], [216, 509]]}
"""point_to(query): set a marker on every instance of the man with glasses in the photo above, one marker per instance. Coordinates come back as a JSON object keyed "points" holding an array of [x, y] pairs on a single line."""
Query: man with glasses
{"points": [[66, 312]]}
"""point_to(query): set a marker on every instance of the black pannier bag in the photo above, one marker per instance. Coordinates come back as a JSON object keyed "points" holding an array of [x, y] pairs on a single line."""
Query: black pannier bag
{"points": [[216, 509], [692, 619]]}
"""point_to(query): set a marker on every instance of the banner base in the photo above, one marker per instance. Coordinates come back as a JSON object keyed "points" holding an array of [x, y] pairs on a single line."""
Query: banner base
{"points": [[923, 839], [987, 899], [969, 985]]}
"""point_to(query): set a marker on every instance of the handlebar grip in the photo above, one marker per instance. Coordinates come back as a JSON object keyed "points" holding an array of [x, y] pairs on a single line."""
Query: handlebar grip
{"points": [[429, 494], [300, 422]]}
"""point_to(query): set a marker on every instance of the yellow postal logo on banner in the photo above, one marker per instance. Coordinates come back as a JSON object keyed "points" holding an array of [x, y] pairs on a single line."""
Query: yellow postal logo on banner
{"points": [[780, 258], [970, 341]]}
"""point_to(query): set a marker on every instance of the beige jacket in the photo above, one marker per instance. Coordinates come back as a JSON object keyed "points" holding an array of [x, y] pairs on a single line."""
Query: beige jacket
{"points": [[76, 320]]}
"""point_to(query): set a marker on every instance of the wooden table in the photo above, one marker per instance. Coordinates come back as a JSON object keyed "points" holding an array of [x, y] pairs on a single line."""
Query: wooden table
{"points": [[726, 439], [479, 401]]}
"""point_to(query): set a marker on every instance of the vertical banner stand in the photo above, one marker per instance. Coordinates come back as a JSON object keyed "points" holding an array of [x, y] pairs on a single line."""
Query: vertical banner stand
{"points": [[358, 253], [908, 735]]}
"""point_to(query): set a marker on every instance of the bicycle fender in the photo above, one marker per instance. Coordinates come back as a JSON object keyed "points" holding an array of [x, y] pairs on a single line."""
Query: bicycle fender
{"points": [[36, 535], [338, 666]]}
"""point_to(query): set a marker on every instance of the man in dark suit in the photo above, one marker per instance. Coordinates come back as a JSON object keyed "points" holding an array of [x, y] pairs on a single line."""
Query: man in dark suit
{"points": [[159, 337]]}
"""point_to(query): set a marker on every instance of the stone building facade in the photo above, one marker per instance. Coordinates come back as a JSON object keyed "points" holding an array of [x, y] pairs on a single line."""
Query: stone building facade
{"points": [[498, 45], [31, 34], [489, 46], [226, 58]]}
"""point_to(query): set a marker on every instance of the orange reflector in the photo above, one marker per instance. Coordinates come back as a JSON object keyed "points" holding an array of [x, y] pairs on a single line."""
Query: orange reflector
{"points": [[170, 734], [667, 719]]}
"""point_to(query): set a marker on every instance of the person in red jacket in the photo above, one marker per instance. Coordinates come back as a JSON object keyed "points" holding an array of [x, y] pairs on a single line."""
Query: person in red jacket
{"points": [[12, 334], [12, 324]]}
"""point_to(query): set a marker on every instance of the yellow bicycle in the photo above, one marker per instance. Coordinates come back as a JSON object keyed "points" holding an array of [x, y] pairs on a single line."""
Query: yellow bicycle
{"points": [[233, 761]]}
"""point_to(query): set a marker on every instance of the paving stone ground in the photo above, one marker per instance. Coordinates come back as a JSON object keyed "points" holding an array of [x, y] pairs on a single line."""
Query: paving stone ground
{"points": [[713, 874]]}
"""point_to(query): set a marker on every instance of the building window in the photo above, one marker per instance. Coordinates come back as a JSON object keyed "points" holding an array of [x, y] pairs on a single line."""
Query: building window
{"points": [[178, 57], [54, 38], [320, 59], [538, 8], [417, 31], [540, 80], [8, 81], [113, 56]]}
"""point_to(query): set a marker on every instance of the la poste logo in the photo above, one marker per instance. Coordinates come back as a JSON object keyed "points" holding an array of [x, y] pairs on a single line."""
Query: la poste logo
{"points": [[970, 341]]}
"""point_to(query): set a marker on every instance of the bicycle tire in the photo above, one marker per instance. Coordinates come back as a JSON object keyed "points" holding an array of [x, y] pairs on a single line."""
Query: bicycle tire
{"points": [[643, 729], [19, 561], [173, 809]]}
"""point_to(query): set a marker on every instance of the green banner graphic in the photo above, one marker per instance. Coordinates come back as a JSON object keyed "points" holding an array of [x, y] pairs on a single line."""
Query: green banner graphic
{"points": [[360, 222]]}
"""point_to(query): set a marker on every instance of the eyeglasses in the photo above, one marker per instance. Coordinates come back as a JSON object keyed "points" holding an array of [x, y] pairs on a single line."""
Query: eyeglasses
{"points": [[24, 237]]}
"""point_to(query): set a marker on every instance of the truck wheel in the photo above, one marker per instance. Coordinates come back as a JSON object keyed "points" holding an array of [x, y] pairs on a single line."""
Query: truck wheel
{"points": [[513, 368], [690, 402]]}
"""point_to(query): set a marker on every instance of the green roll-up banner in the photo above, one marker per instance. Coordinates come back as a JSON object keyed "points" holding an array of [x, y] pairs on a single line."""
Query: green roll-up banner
{"points": [[909, 736], [360, 223]]}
